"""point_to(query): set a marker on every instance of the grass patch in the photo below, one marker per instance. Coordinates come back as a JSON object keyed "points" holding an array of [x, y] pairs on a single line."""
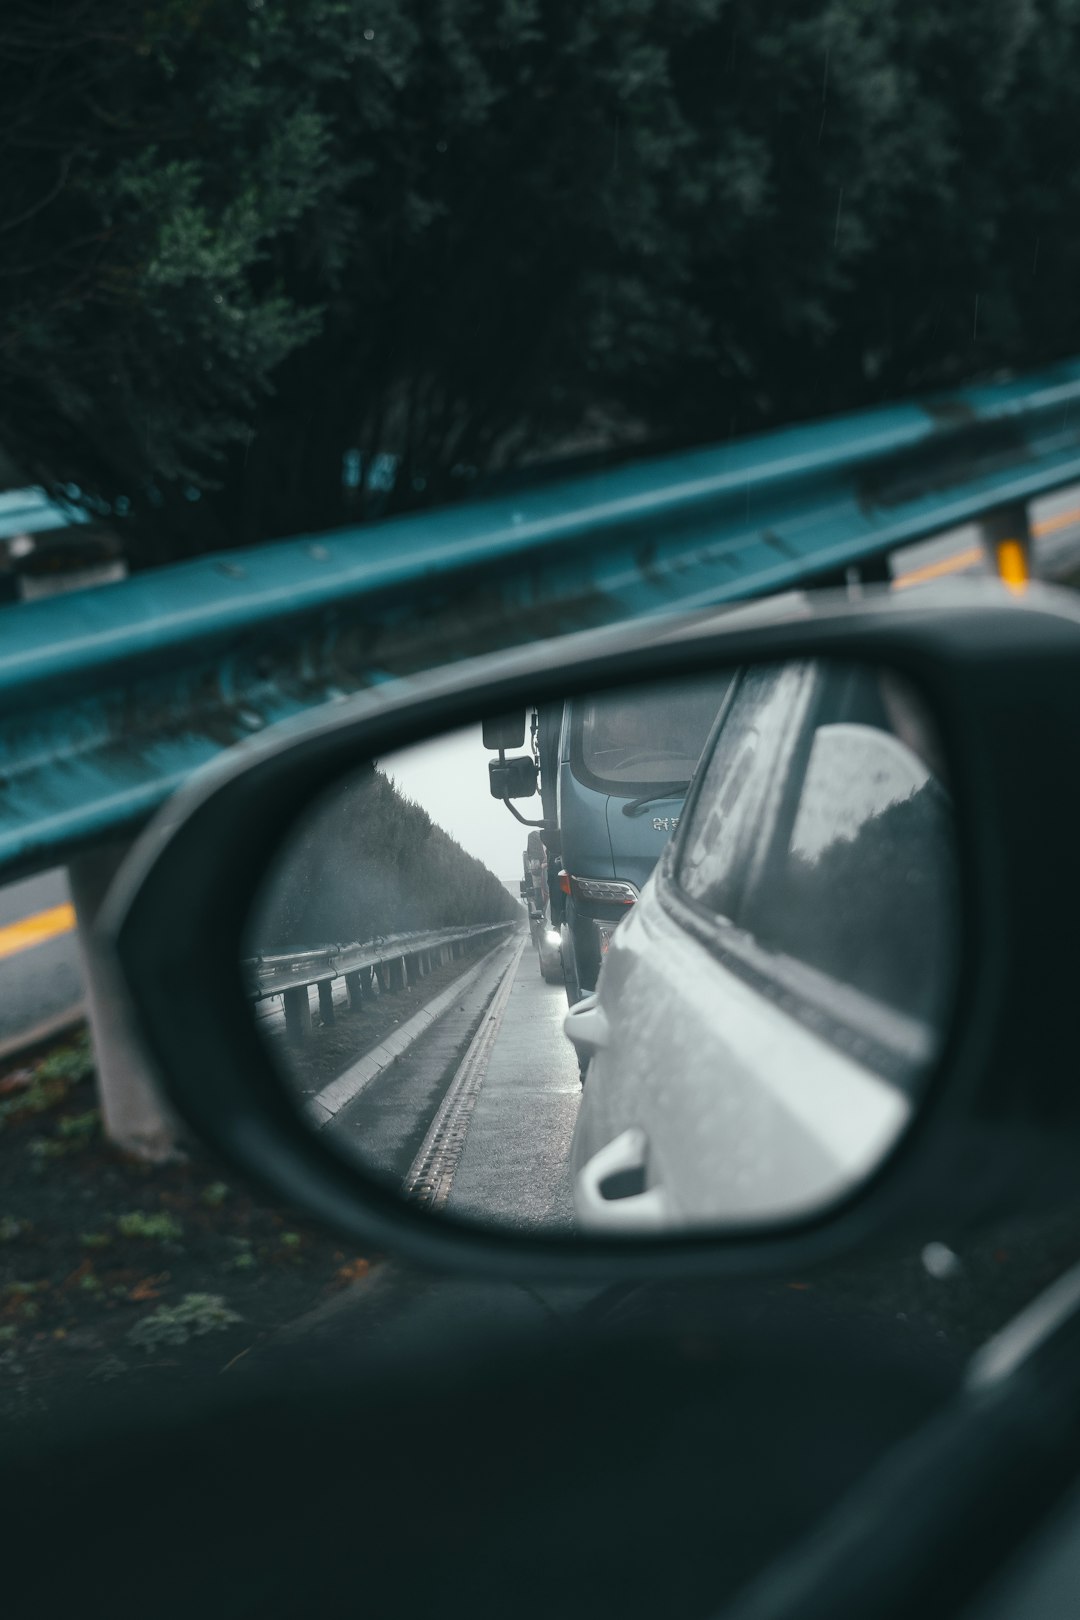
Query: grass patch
{"points": [[87, 1231], [153, 1228], [195, 1315]]}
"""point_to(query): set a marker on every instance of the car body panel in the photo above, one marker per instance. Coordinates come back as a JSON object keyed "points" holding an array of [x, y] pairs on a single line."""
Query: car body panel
{"points": [[765, 1014], [747, 1116]]}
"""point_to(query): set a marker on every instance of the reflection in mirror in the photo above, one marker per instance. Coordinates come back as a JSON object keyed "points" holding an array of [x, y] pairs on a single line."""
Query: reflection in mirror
{"points": [[518, 1013]]}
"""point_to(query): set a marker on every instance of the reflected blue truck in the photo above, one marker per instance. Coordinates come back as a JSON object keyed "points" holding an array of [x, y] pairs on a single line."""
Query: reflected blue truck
{"points": [[614, 770]]}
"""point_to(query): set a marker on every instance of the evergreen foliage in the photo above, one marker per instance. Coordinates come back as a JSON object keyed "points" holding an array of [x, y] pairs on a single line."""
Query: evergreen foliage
{"points": [[247, 243], [367, 862]]}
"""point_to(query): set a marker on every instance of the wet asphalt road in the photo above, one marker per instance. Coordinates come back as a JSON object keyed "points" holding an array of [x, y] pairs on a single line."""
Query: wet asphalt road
{"points": [[511, 1167], [1055, 546], [514, 1167], [42, 981]]}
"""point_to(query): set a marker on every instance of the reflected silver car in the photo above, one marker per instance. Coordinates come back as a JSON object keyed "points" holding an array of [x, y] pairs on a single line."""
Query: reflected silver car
{"points": [[770, 1007]]}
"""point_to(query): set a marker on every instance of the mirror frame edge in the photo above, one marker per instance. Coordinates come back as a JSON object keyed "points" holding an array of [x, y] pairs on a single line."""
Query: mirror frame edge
{"points": [[234, 1098]]}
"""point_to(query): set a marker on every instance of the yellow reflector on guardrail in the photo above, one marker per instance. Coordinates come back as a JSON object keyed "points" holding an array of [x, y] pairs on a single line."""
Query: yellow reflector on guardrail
{"points": [[1012, 564]]}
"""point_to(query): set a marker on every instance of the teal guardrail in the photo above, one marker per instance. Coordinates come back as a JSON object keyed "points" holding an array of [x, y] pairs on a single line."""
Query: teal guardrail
{"points": [[110, 697], [30, 511]]}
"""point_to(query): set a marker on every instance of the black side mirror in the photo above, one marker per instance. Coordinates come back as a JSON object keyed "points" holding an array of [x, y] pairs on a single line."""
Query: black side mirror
{"points": [[967, 1103], [512, 778], [507, 731]]}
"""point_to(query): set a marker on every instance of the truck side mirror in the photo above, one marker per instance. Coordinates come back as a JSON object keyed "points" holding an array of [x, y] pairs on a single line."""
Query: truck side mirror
{"points": [[512, 778], [523, 888], [507, 731]]}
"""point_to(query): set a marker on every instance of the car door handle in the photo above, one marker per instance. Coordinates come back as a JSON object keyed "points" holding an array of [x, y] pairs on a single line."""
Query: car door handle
{"points": [[586, 1026], [616, 1161]]}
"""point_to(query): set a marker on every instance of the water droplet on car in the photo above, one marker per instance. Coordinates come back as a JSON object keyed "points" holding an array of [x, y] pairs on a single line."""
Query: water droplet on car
{"points": [[940, 1261]]}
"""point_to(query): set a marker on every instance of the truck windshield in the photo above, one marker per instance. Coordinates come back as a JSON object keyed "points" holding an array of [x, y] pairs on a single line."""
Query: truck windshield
{"points": [[627, 742]]}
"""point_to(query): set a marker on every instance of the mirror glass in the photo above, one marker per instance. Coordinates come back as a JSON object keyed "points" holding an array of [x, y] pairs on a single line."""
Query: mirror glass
{"points": [[699, 978]]}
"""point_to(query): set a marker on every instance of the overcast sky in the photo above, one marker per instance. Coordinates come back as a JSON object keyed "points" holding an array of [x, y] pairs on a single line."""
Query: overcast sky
{"points": [[449, 777]]}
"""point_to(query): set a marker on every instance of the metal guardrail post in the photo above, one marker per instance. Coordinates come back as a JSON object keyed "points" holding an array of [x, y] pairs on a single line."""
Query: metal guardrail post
{"points": [[326, 1001], [297, 1013], [354, 988], [133, 1112]]}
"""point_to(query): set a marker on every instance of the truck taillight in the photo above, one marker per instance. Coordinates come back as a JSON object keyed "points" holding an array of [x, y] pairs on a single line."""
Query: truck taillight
{"points": [[603, 891]]}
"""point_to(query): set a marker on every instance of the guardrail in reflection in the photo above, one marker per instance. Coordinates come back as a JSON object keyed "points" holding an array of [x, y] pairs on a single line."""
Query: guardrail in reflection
{"points": [[397, 960]]}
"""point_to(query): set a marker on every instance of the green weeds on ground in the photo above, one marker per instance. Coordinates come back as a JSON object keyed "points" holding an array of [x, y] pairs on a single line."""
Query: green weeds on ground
{"points": [[158, 1227], [195, 1315]]}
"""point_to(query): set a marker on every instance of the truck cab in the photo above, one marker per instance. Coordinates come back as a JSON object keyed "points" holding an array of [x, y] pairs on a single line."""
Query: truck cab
{"points": [[612, 771], [624, 765]]}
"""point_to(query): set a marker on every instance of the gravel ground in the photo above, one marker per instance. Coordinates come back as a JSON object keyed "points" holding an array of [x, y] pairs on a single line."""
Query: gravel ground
{"points": [[115, 1276]]}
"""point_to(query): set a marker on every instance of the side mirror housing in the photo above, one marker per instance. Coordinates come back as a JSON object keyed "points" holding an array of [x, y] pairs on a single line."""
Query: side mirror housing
{"points": [[512, 778], [979, 1118], [507, 731]]}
